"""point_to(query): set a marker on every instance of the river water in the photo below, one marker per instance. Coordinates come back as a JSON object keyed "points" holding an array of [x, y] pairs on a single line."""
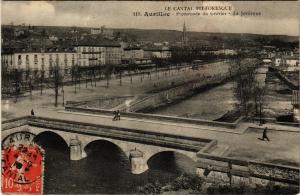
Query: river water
{"points": [[210, 105]]}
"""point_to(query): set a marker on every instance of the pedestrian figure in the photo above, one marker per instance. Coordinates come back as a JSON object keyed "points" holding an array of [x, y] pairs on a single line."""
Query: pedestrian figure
{"points": [[32, 112], [265, 135], [119, 115], [115, 115]]}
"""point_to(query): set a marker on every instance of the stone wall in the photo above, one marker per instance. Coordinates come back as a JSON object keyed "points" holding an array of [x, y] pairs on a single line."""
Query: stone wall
{"points": [[283, 78], [231, 170], [172, 94]]}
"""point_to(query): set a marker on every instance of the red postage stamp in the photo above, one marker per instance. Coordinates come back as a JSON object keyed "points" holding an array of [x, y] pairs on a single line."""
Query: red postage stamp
{"points": [[22, 168]]}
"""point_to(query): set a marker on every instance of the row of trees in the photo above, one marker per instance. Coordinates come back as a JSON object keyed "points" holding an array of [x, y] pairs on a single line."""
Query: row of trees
{"points": [[247, 90], [17, 81]]}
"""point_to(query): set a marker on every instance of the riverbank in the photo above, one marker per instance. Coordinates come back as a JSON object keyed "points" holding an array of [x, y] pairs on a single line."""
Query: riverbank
{"points": [[192, 184], [277, 97], [178, 99]]}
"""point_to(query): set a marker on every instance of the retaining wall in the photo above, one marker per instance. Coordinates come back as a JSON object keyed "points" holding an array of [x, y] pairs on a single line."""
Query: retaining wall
{"points": [[232, 170], [283, 78], [178, 92]]}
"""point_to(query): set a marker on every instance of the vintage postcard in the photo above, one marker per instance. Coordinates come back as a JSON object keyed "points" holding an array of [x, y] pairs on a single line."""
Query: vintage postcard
{"points": [[150, 97]]}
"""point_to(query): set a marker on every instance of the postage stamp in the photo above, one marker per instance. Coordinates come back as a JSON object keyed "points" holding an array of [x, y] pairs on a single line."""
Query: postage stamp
{"points": [[22, 165]]}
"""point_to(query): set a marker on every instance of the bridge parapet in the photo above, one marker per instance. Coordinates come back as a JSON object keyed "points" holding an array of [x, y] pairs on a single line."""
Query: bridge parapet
{"points": [[158, 117], [16, 122]]}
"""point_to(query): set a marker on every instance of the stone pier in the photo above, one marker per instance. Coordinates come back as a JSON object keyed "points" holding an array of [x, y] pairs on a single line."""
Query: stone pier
{"points": [[138, 163], [76, 152], [296, 112]]}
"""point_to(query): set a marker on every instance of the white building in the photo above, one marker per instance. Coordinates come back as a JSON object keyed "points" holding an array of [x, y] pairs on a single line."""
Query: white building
{"points": [[53, 38], [290, 60], [39, 60], [133, 53], [95, 31], [157, 52], [277, 61], [90, 55], [287, 62]]}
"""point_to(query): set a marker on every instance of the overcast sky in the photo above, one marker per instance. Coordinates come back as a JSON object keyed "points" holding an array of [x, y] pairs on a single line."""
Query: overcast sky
{"points": [[277, 17]]}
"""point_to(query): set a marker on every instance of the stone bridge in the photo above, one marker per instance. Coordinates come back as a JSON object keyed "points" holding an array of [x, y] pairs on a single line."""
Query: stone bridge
{"points": [[138, 145]]}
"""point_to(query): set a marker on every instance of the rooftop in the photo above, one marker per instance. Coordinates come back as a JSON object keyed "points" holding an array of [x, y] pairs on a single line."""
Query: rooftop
{"points": [[156, 48], [95, 41], [38, 50]]}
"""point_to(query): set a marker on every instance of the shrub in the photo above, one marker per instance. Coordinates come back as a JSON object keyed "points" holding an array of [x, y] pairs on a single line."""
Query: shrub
{"points": [[185, 182]]}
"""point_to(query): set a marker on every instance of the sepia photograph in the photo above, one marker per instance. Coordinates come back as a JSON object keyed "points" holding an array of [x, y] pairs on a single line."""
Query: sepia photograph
{"points": [[150, 97]]}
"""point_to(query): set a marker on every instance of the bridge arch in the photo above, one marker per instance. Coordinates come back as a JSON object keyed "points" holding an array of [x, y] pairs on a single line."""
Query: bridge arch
{"points": [[189, 155], [51, 138], [92, 145], [172, 160]]}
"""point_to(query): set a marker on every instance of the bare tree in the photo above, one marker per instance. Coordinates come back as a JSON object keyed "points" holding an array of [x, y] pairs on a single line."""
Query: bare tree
{"points": [[86, 77], [57, 82], [42, 78], [74, 75], [258, 96], [108, 71], [30, 86], [6, 80], [16, 75], [93, 75], [120, 76], [244, 85], [27, 75]]}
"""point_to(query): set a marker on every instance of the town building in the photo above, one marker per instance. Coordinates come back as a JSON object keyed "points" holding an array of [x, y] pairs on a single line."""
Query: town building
{"points": [[18, 32], [90, 55], [132, 54], [95, 31], [53, 38], [226, 52], [105, 32], [216, 51], [98, 52], [287, 62], [277, 61], [39, 60], [157, 52], [290, 60]]}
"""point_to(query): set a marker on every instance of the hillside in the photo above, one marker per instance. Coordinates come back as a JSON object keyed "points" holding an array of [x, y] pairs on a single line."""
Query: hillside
{"points": [[159, 35]]}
